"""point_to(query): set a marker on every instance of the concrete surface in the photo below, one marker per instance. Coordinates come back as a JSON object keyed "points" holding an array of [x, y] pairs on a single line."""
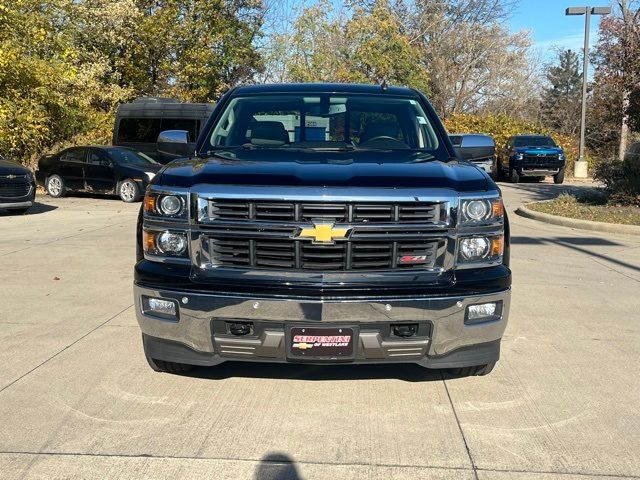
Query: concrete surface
{"points": [[77, 399]]}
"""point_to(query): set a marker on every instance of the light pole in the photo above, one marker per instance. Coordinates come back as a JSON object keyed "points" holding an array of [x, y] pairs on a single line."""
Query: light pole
{"points": [[580, 168]]}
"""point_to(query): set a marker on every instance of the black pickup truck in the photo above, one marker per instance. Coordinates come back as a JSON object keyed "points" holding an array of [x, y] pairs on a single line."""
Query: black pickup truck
{"points": [[322, 223]]}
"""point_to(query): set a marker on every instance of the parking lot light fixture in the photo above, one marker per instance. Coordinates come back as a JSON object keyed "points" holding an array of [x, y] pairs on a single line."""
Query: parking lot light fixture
{"points": [[580, 168]]}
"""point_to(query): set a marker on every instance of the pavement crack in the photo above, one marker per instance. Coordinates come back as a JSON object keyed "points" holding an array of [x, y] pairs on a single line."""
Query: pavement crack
{"points": [[613, 269], [464, 438], [570, 473], [230, 459], [64, 349]]}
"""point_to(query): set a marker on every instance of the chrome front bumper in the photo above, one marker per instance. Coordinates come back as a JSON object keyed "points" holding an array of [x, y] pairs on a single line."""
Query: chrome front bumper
{"points": [[534, 172], [201, 315]]}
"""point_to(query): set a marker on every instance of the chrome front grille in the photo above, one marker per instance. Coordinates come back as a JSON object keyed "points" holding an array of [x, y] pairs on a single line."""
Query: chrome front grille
{"points": [[341, 256], [269, 229], [341, 212]]}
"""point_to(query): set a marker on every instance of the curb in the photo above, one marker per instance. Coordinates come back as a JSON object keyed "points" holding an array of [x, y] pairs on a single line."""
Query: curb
{"points": [[523, 211]]}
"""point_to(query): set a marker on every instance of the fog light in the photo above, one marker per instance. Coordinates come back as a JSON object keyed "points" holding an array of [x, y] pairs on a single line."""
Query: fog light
{"points": [[474, 248], [164, 307], [484, 310], [172, 243]]}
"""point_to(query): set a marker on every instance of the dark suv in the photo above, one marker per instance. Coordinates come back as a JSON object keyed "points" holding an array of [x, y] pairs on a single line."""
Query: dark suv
{"points": [[535, 156], [17, 187]]}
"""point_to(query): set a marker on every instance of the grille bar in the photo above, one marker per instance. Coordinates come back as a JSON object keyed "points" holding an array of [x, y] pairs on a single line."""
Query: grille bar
{"points": [[343, 256], [405, 212]]}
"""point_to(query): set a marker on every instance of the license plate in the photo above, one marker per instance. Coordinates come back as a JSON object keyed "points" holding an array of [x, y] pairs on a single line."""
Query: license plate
{"points": [[322, 342]]}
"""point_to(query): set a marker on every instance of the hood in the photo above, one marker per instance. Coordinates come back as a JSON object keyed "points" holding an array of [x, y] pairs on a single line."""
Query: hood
{"points": [[324, 169], [539, 150], [10, 168], [154, 168]]}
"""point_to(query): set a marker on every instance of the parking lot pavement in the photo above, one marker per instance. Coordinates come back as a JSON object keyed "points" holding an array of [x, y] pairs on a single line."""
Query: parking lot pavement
{"points": [[77, 399]]}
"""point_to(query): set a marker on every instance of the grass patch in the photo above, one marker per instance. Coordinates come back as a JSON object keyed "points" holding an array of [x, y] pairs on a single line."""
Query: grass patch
{"points": [[592, 206]]}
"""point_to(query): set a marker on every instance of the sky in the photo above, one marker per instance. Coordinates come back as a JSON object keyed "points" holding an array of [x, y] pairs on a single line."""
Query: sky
{"points": [[550, 28]]}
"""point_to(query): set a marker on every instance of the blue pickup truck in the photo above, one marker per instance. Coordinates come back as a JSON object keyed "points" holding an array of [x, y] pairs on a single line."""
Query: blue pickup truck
{"points": [[531, 156]]}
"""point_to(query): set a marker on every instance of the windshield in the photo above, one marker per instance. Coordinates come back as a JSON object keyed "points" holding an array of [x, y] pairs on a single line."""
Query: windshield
{"points": [[123, 156], [533, 142], [324, 122]]}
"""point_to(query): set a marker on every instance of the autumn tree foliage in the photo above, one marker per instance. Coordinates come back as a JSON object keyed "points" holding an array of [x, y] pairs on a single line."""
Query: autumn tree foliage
{"points": [[615, 100], [65, 65]]}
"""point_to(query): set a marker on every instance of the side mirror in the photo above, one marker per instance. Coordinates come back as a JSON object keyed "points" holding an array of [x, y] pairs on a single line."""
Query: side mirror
{"points": [[474, 146], [175, 144]]}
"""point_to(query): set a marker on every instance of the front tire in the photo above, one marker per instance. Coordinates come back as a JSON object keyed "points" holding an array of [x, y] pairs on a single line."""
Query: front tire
{"points": [[55, 186], [513, 176], [129, 191], [474, 371], [558, 178]]}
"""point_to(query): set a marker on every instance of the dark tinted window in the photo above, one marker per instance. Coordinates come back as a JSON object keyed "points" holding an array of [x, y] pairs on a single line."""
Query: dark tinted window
{"points": [[534, 142], [142, 130], [124, 156], [325, 120], [190, 125], [98, 157], [73, 155]]}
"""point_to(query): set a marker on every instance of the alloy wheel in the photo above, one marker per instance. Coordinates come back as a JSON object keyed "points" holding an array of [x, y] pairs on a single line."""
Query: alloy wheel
{"points": [[55, 186], [127, 191]]}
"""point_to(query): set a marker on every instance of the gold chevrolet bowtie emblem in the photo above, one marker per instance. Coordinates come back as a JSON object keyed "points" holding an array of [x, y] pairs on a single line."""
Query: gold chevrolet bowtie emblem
{"points": [[324, 233]]}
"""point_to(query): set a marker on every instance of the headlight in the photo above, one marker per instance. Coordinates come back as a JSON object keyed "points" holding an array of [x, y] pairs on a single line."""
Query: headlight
{"points": [[170, 206], [561, 156], [519, 156], [480, 249], [150, 175], [474, 211], [165, 243]]}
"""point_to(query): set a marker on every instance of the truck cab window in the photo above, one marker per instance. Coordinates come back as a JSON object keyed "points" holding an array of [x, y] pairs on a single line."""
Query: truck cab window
{"points": [[325, 121]]}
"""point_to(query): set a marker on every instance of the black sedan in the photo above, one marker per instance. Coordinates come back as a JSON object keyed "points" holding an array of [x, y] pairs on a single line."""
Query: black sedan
{"points": [[107, 170], [17, 187]]}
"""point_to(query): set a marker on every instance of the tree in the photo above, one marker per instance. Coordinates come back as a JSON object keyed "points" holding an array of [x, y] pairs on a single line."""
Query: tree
{"points": [[616, 59], [562, 98], [65, 65], [368, 46], [47, 94], [475, 64]]}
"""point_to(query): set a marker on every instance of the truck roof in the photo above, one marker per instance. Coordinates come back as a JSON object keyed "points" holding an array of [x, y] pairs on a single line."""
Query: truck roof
{"points": [[324, 87]]}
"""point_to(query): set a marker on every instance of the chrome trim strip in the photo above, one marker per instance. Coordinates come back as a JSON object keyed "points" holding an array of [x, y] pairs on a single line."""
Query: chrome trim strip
{"points": [[325, 194], [16, 204]]}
